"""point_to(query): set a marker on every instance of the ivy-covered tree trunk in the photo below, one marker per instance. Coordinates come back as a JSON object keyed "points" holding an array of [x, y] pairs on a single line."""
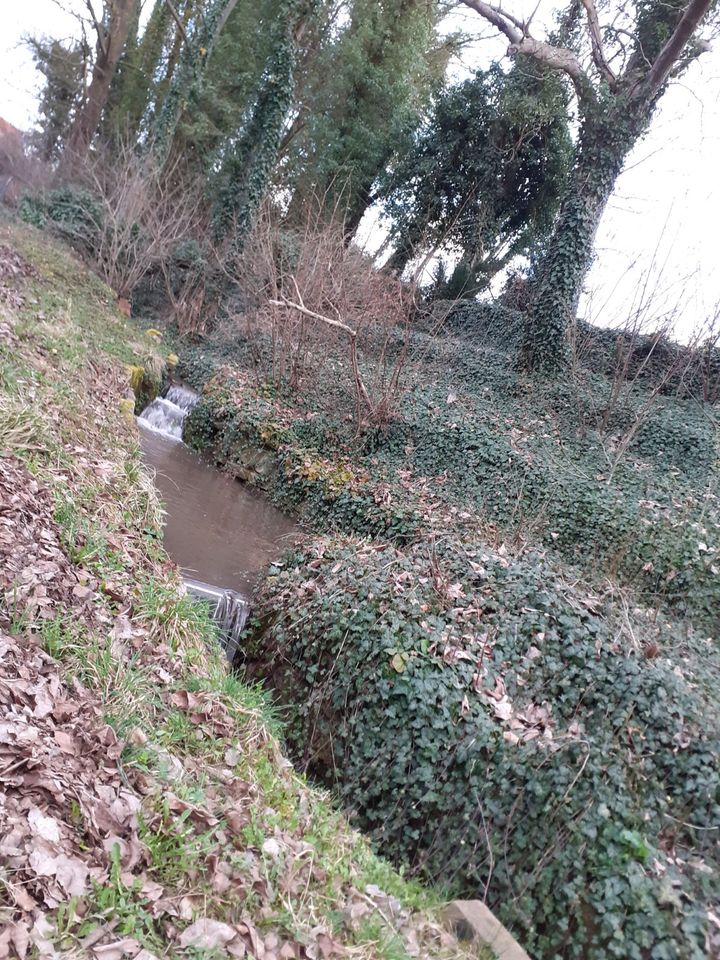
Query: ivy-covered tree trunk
{"points": [[246, 168], [608, 133], [188, 77], [112, 35]]}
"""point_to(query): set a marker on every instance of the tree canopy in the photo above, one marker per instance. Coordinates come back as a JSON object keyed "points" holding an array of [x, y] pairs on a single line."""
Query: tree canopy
{"points": [[484, 172]]}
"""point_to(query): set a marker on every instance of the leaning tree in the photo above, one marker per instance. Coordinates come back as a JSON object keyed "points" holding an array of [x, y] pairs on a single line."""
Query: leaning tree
{"points": [[484, 174], [619, 59], [112, 30]]}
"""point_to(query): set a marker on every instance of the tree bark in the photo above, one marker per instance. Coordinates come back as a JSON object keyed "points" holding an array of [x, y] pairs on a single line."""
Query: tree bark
{"points": [[608, 133], [111, 41]]}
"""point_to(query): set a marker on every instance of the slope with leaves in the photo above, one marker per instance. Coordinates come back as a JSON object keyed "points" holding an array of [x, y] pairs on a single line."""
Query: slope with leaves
{"points": [[146, 807]]}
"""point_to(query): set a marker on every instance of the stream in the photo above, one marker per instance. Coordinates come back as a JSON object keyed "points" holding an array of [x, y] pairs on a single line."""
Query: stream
{"points": [[220, 532]]}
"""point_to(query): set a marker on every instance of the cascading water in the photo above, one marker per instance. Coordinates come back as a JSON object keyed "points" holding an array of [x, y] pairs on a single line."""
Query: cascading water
{"points": [[229, 610], [167, 414], [217, 530]]}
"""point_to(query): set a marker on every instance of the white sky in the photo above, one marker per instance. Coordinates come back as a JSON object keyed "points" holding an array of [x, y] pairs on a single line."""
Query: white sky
{"points": [[664, 215]]}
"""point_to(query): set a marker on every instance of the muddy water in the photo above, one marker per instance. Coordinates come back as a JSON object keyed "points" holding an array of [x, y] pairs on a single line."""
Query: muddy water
{"points": [[217, 529]]}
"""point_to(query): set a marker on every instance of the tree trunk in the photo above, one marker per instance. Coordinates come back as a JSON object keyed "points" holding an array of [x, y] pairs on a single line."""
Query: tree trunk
{"points": [[247, 168], [110, 45], [188, 76], [140, 77], [608, 133]]}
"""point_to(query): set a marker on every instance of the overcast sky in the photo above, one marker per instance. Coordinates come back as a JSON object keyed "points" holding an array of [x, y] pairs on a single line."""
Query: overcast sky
{"points": [[665, 210]]}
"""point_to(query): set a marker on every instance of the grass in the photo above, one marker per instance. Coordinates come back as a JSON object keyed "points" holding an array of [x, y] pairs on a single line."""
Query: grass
{"points": [[147, 653]]}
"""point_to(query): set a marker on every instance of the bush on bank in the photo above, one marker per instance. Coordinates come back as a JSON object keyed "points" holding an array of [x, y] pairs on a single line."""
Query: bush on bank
{"points": [[500, 730]]}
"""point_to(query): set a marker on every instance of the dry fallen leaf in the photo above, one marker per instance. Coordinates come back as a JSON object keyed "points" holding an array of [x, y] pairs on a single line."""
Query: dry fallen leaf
{"points": [[207, 934], [117, 950], [42, 826]]}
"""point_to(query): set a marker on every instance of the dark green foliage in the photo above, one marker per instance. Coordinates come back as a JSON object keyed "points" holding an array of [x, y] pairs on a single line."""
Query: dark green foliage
{"points": [[360, 99], [140, 72], [248, 160], [63, 66], [484, 174], [492, 727], [217, 106], [69, 211], [189, 76]]}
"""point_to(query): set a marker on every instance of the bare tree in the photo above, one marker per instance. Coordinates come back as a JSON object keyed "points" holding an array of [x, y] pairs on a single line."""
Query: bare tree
{"points": [[112, 32], [144, 211], [618, 70], [321, 320]]}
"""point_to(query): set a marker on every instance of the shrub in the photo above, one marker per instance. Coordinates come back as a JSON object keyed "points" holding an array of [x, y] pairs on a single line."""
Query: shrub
{"points": [[316, 310], [71, 211], [126, 216], [493, 728]]}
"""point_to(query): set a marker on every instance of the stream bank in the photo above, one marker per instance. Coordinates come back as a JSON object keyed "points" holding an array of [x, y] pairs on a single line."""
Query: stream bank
{"points": [[148, 802], [500, 649]]}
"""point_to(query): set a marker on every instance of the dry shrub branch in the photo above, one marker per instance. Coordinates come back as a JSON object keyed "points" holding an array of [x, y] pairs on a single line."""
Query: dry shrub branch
{"points": [[317, 312], [145, 211]]}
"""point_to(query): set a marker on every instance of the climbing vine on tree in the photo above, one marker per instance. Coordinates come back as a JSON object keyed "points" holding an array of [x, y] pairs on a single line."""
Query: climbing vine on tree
{"points": [[617, 71], [248, 162]]}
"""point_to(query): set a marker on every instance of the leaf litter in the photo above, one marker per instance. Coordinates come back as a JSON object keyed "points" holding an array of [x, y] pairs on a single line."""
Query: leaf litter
{"points": [[82, 825]]}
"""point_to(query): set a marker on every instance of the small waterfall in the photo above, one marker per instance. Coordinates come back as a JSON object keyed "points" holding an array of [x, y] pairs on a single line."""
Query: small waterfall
{"points": [[198, 498], [166, 414], [228, 609]]}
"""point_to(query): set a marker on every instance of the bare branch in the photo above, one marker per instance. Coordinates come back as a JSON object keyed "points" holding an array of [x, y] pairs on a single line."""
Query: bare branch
{"points": [[667, 57], [301, 308], [498, 19], [598, 52], [176, 17], [360, 388], [99, 29], [560, 58]]}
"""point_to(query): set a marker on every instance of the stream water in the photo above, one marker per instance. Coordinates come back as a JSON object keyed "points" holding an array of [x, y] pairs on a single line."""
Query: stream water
{"points": [[218, 530]]}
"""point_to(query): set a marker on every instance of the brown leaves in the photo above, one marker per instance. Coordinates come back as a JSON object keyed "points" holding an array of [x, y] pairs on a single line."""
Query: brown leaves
{"points": [[57, 767], [35, 574], [12, 269], [206, 934]]}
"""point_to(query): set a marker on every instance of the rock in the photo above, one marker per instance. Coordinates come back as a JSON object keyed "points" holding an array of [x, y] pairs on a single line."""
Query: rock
{"points": [[472, 920]]}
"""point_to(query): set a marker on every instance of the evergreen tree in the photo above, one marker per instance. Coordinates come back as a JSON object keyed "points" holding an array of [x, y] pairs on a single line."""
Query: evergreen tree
{"points": [[199, 35], [370, 80], [63, 66], [140, 70], [484, 174], [249, 160]]}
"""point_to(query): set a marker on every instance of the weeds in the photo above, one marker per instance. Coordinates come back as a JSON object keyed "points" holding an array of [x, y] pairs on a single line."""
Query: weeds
{"points": [[22, 431]]}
